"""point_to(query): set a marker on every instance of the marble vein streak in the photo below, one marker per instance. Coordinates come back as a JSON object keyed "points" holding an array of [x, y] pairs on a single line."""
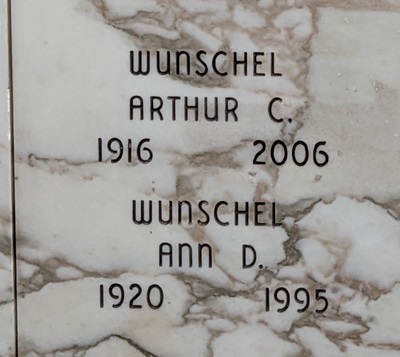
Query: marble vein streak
{"points": [[341, 228]]}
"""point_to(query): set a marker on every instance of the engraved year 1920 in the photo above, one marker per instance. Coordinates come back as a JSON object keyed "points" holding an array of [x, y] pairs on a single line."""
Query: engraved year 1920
{"points": [[133, 296]]}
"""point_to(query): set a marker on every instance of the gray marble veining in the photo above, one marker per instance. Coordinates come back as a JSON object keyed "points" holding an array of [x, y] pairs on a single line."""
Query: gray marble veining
{"points": [[94, 281]]}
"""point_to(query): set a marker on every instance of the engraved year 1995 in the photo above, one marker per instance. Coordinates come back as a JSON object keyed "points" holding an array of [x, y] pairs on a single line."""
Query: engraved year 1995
{"points": [[301, 297]]}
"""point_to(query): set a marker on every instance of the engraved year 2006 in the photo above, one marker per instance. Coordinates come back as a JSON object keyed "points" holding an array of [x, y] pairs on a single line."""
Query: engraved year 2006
{"points": [[283, 298], [116, 149], [117, 296], [279, 153]]}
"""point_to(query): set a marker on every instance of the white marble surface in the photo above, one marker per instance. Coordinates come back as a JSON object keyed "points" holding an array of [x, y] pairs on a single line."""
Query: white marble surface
{"points": [[340, 84], [6, 277]]}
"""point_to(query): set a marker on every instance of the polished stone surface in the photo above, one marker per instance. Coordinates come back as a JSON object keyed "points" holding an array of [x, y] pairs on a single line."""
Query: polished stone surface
{"points": [[79, 247]]}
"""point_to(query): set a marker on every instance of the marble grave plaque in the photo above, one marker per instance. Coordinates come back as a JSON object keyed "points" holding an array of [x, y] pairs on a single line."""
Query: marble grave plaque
{"points": [[205, 178]]}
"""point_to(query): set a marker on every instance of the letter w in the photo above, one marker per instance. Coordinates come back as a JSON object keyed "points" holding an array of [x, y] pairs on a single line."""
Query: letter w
{"points": [[141, 219], [140, 69]]}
